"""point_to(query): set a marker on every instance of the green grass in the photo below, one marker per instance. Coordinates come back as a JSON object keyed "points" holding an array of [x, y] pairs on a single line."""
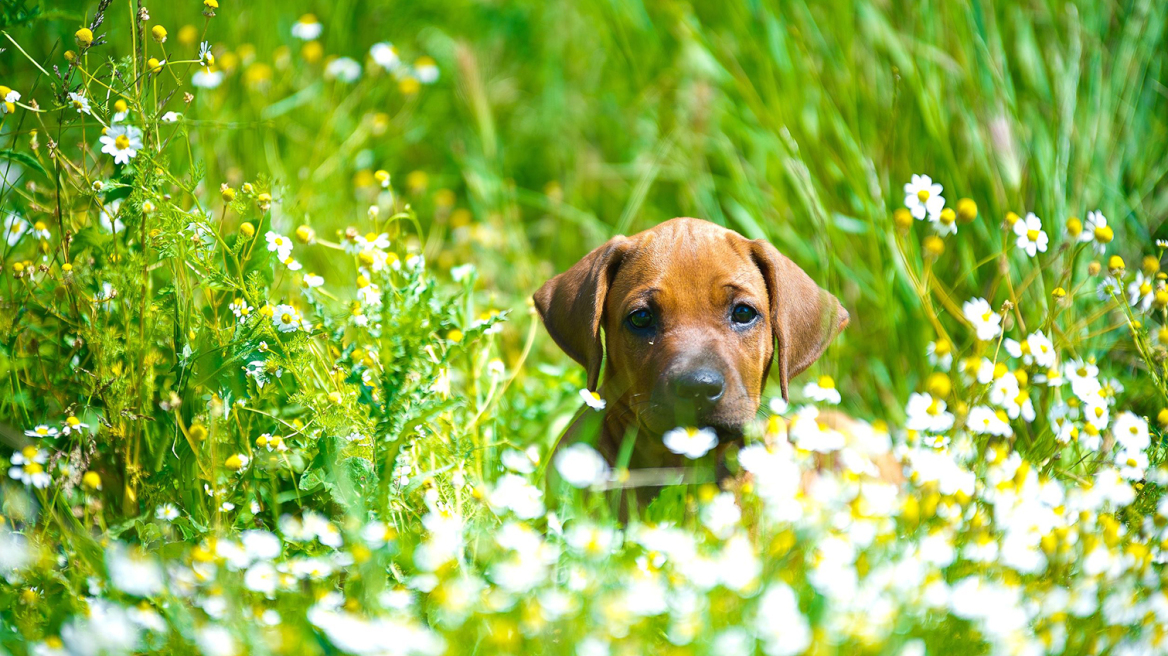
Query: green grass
{"points": [[553, 126]]}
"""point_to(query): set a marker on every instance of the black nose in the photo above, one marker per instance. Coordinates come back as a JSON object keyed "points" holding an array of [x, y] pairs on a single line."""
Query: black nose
{"points": [[700, 385]]}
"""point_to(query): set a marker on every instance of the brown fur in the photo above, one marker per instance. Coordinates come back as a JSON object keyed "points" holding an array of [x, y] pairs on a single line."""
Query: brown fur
{"points": [[690, 274]]}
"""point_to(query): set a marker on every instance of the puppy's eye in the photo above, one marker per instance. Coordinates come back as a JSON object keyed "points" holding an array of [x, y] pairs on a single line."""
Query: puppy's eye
{"points": [[641, 319], [743, 314]]}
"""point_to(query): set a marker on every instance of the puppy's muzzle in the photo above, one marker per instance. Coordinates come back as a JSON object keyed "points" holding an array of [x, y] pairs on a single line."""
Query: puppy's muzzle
{"points": [[701, 387]]}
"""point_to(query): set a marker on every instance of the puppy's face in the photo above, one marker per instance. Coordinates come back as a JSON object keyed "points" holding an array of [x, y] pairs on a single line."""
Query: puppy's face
{"points": [[691, 315], [688, 332]]}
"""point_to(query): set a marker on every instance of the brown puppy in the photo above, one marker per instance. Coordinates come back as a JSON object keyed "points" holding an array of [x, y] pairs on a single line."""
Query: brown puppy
{"points": [[692, 316]]}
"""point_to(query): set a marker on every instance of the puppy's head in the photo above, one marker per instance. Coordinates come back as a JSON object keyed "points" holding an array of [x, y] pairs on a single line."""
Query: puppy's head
{"points": [[692, 316]]}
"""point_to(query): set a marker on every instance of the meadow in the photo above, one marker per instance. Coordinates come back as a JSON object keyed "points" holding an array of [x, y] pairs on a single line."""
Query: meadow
{"points": [[271, 380]]}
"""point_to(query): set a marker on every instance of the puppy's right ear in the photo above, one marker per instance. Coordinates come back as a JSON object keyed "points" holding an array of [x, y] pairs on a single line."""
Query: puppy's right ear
{"points": [[572, 305]]}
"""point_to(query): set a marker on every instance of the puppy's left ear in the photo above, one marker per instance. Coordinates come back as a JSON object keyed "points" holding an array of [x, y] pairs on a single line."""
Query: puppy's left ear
{"points": [[804, 318], [572, 305]]}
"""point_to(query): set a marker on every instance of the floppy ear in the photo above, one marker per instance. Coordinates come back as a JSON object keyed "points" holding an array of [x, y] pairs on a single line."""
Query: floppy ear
{"points": [[572, 305], [804, 318]]}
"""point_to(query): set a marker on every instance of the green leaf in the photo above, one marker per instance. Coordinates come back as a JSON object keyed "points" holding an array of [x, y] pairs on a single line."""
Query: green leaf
{"points": [[25, 159]]}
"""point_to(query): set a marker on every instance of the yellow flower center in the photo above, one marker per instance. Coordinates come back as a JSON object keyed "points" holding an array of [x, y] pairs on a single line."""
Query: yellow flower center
{"points": [[286, 318], [923, 195], [1145, 288], [73, 421], [33, 468], [1032, 235], [122, 142], [934, 407], [826, 382], [29, 452], [1104, 234], [1131, 462]]}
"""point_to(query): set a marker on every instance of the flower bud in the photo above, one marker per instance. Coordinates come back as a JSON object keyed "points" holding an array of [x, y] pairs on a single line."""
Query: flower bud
{"points": [[226, 192], [84, 37], [1160, 298], [159, 33], [939, 385], [934, 246], [966, 210], [1115, 264], [1011, 218], [1094, 268], [91, 480], [1151, 265], [1074, 227], [305, 234], [247, 229], [1059, 292]]}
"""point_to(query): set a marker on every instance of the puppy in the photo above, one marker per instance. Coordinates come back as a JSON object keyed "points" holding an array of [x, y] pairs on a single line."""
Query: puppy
{"points": [[692, 316]]}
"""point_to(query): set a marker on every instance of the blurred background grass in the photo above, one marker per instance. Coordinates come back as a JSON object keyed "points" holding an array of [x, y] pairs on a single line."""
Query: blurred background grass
{"points": [[557, 124]]}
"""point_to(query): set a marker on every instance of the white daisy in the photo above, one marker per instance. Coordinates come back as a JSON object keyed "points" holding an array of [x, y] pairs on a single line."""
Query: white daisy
{"points": [[1141, 292], [940, 354], [692, 443], [240, 309], [279, 244], [171, 117], [426, 70], [1108, 288], [581, 465], [286, 318], [986, 421], [986, 322], [41, 231], [109, 216], [1036, 349], [923, 197], [592, 399], [307, 28], [14, 228], [1097, 231], [123, 142], [345, 69], [80, 103], [822, 390], [312, 281], [1133, 465], [207, 78], [1131, 432], [166, 512], [28, 467], [927, 414], [43, 430], [385, 55], [1031, 237], [206, 58]]}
